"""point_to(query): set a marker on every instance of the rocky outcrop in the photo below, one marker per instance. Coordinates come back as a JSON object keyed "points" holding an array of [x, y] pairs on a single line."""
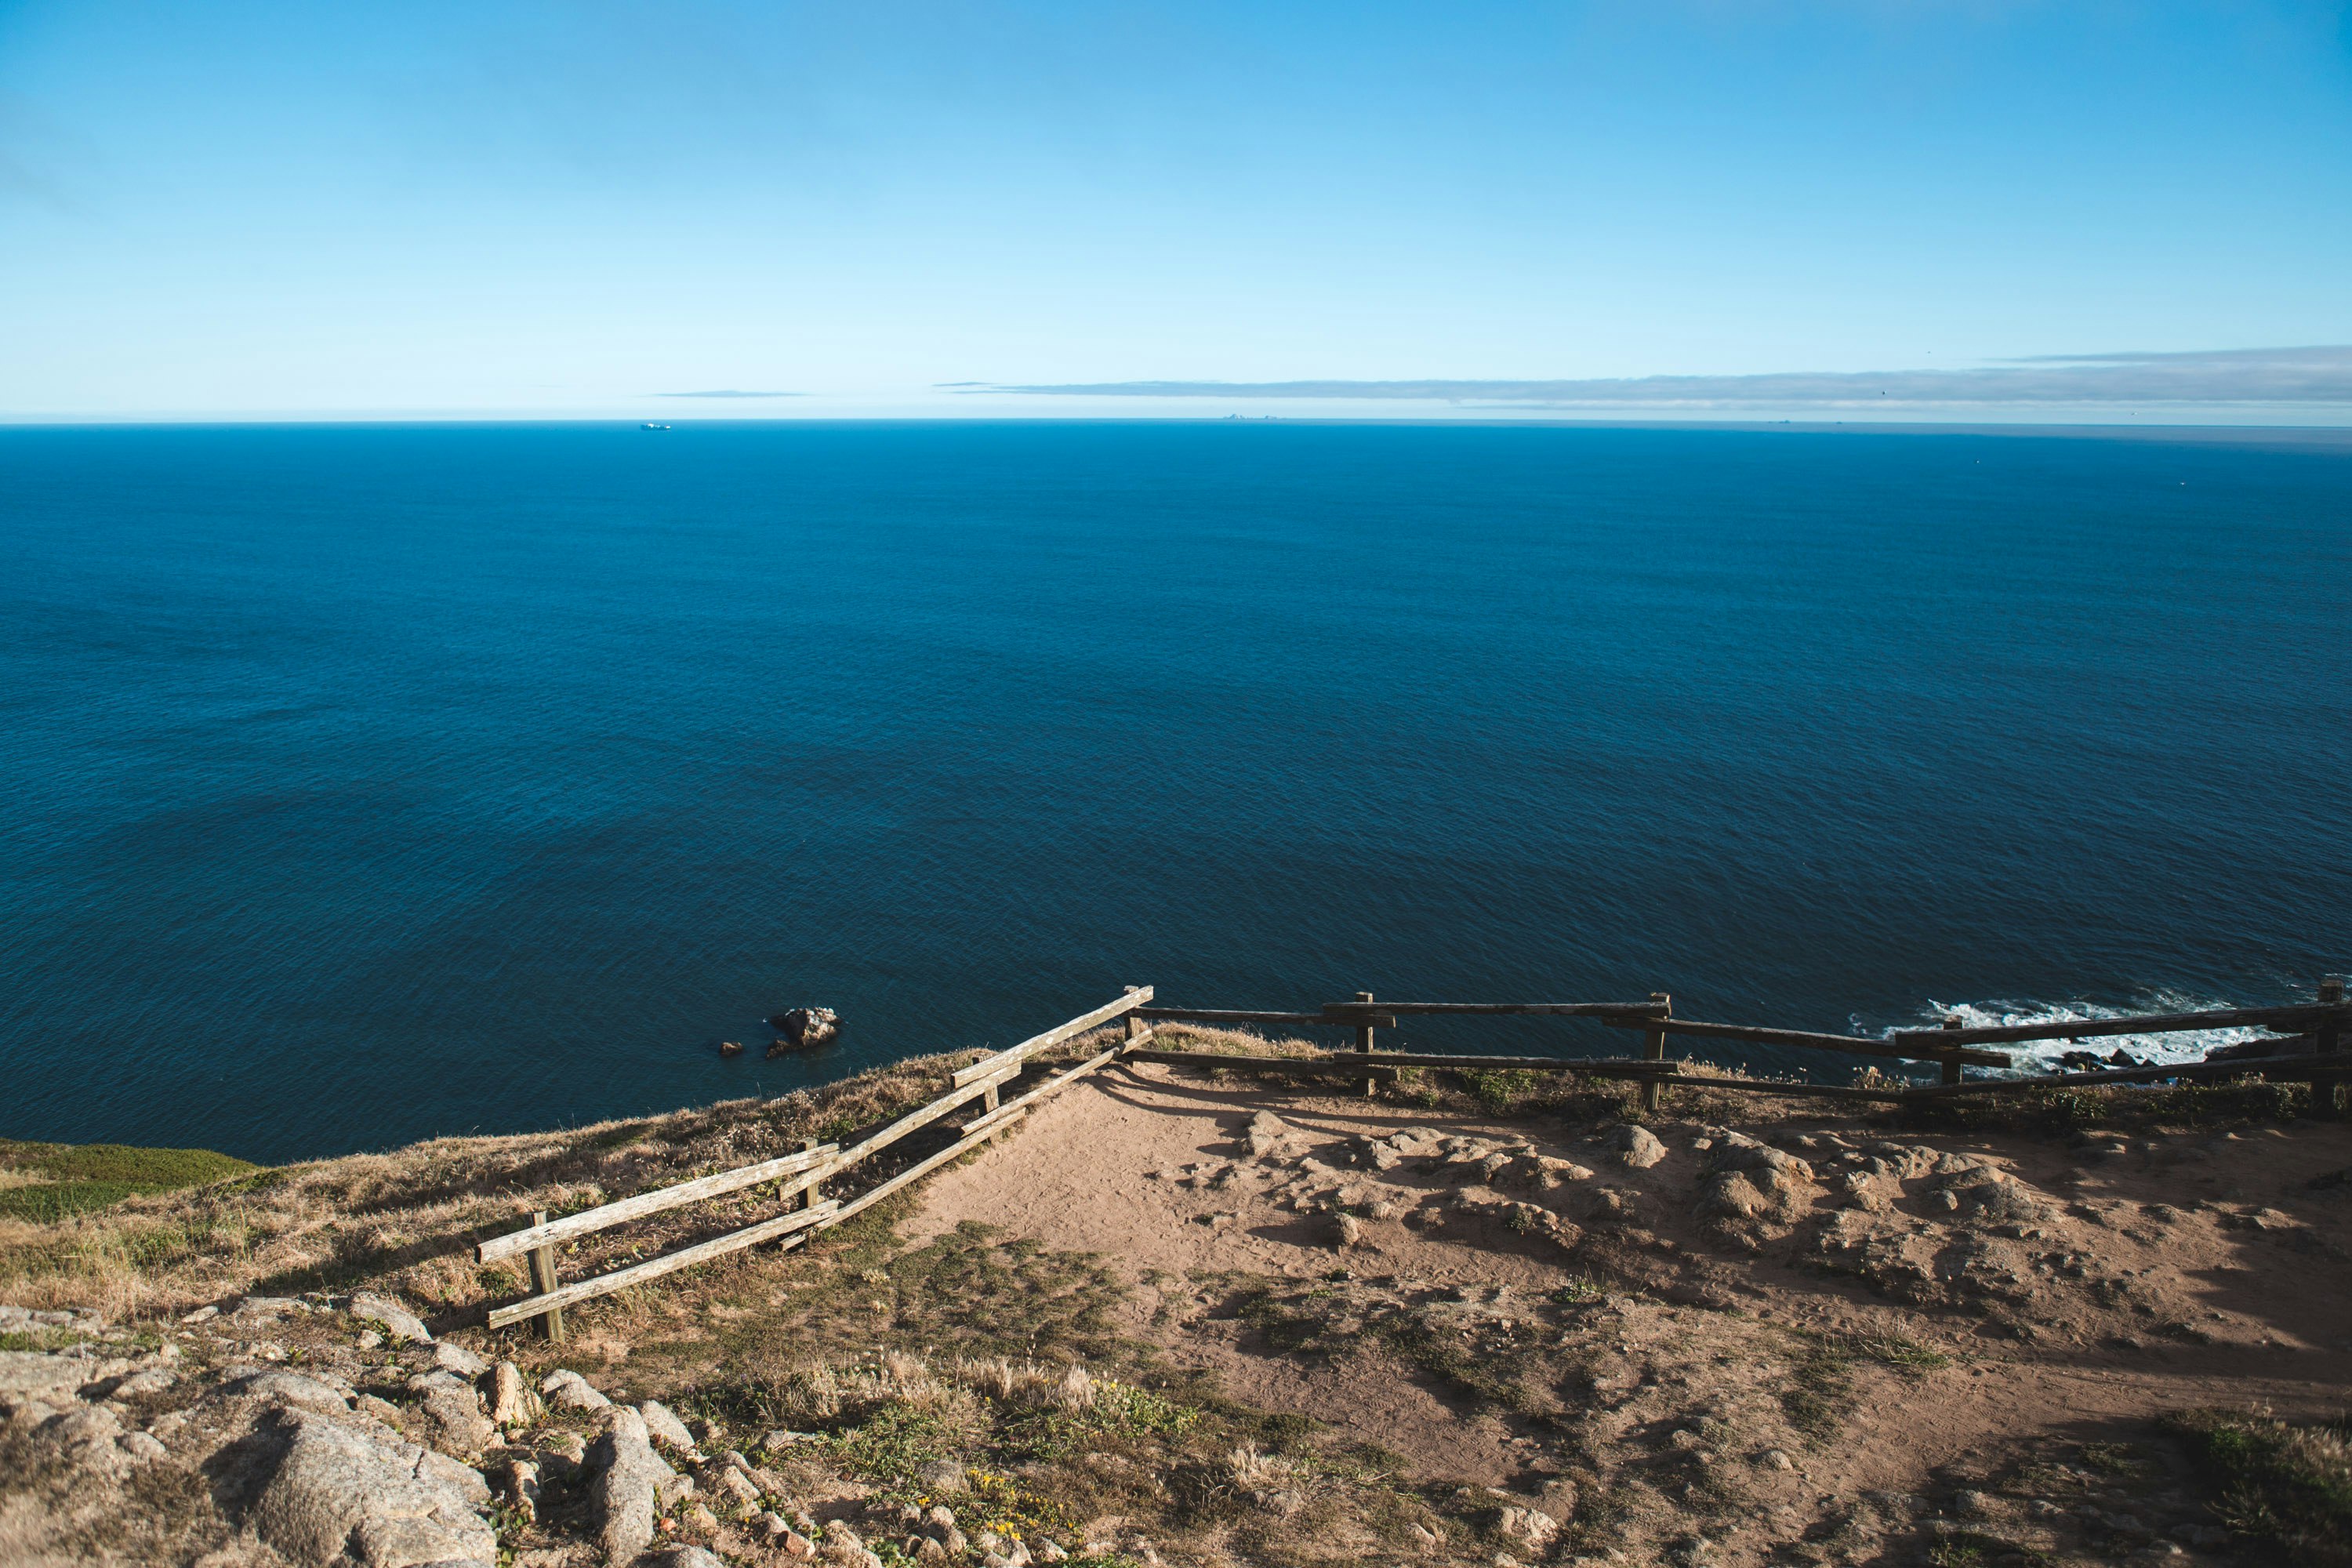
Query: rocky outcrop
{"points": [[804, 1028], [339, 1495]]}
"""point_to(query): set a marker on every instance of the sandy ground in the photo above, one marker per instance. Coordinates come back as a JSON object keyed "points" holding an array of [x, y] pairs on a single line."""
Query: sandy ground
{"points": [[2148, 1275]]}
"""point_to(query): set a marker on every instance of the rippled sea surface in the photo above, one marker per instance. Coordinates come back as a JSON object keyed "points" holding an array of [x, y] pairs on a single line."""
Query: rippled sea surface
{"points": [[363, 783]]}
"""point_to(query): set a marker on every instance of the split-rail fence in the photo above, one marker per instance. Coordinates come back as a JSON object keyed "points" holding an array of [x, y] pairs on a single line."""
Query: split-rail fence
{"points": [[2304, 1045]]}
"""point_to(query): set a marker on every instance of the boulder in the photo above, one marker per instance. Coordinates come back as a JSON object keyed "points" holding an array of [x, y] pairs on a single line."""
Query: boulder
{"points": [[631, 1482], [1638, 1147], [567, 1390], [397, 1320], [338, 1495], [452, 1411], [664, 1426], [450, 1356]]}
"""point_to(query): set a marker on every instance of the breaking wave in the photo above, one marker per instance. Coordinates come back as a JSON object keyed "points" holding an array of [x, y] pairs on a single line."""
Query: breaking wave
{"points": [[2041, 1056]]}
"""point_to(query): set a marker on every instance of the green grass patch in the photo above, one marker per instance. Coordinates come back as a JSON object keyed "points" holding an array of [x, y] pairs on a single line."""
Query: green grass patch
{"points": [[2281, 1483], [76, 1178]]}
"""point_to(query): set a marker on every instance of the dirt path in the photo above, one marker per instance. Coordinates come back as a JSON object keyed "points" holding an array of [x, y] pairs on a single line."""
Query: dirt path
{"points": [[2050, 1295]]}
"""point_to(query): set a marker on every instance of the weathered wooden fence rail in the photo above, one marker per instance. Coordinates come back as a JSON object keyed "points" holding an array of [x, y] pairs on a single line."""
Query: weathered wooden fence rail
{"points": [[2311, 1053], [801, 1174]]}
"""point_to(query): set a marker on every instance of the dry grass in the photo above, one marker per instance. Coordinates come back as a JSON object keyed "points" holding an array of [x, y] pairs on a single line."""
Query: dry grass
{"points": [[407, 1219]]}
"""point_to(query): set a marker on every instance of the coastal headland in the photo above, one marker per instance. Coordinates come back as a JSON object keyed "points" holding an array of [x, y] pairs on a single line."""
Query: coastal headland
{"points": [[1188, 1316]]}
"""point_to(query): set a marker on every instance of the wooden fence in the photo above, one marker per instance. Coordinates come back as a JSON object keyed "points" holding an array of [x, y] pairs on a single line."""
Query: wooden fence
{"points": [[799, 1177], [2310, 1052]]}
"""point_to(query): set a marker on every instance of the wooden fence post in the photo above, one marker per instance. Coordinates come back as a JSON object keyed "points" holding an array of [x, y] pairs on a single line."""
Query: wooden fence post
{"points": [[815, 1194], [1653, 1048], [1364, 1043], [2327, 1039], [542, 1280], [1952, 1066]]}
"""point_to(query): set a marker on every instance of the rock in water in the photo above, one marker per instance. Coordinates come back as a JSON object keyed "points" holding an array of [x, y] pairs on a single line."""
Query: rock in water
{"points": [[731, 1047], [339, 1496], [804, 1028]]}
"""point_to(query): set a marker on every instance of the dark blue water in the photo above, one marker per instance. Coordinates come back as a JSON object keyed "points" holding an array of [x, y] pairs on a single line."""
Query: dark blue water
{"points": [[363, 783]]}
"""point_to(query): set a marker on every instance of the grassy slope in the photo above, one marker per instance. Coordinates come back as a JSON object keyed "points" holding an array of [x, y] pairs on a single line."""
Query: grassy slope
{"points": [[46, 1181]]}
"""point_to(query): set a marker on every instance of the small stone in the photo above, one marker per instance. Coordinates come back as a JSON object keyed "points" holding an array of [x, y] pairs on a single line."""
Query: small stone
{"points": [[701, 1520], [1529, 1527], [1774, 1459], [1347, 1231], [680, 1557], [368, 1340], [799, 1545], [1976, 1505], [1051, 1552], [731, 1047]]}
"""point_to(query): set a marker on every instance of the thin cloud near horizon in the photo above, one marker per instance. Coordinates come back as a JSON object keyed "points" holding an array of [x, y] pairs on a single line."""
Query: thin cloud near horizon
{"points": [[2312, 374]]}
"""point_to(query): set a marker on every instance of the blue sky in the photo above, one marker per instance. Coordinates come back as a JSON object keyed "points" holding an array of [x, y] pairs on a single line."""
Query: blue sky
{"points": [[570, 208]]}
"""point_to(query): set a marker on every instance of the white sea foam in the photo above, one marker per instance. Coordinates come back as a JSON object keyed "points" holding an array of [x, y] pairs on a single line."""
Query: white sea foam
{"points": [[2041, 1056]]}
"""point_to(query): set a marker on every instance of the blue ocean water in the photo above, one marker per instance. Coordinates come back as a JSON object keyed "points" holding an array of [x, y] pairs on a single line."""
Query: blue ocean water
{"points": [[364, 784]]}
